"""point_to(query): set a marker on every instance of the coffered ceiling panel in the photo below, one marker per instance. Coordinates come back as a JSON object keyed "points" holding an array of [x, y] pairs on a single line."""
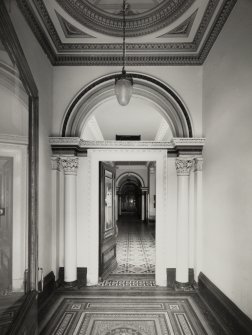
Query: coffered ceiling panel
{"points": [[158, 32]]}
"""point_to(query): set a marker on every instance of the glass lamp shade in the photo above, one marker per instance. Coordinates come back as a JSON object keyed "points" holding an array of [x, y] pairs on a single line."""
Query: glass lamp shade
{"points": [[123, 91]]}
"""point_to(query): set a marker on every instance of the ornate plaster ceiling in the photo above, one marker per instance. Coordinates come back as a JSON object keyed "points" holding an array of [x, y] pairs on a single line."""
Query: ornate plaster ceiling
{"points": [[159, 32]]}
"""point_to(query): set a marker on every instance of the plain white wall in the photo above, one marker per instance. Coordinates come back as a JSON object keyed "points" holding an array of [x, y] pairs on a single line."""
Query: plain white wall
{"points": [[82, 212], [185, 80], [42, 73], [227, 177]]}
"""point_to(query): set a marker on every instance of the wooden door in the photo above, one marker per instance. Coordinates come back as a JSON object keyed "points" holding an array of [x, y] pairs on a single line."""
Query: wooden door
{"points": [[107, 245], [6, 176]]}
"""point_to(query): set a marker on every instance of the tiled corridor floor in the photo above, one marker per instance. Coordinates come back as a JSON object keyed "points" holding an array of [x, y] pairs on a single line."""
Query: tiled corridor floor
{"points": [[135, 247], [135, 254], [152, 311]]}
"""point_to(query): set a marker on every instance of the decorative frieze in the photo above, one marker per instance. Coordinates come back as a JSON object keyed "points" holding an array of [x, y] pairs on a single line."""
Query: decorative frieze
{"points": [[188, 141], [183, 166], [69, 164]]}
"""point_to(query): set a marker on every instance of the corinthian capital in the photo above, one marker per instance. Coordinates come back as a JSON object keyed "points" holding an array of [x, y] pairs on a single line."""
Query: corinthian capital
{"points": [[183, 166], [70, 164]]}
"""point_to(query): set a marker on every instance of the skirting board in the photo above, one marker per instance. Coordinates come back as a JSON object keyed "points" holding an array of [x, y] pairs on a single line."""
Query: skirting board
{"points": [[49, 285], [231, 317]]}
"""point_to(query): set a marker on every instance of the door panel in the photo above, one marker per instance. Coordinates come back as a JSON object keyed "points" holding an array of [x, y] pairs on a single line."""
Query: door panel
{"points": [[107, 245]]}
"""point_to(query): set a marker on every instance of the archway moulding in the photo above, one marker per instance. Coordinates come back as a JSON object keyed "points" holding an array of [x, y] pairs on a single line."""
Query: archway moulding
{"points": [[125, 174], [163, 98]]}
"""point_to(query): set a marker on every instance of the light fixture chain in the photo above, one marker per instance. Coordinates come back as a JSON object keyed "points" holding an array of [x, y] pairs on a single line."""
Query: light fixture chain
{"points": [[124, 33]]}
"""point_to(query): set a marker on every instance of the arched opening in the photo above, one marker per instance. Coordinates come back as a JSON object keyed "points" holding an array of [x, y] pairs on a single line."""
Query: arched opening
{"points": [[95, 116], [153, 103], [130, 191]]}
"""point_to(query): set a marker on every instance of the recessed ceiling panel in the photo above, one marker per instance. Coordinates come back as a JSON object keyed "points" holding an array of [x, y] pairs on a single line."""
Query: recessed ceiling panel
{"points": [[158, 32]]}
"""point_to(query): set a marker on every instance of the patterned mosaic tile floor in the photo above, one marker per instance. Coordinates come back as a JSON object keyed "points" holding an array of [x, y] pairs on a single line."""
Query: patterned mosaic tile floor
{"points": [[135, 255], [121, 315]]}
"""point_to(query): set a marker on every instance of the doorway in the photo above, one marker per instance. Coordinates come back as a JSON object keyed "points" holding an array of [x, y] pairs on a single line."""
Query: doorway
{"points": [[95, 156], [127, 252]]}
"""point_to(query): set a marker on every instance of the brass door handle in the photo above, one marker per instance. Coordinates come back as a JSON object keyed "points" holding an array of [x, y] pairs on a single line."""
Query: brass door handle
{"points": [[2, 211]]}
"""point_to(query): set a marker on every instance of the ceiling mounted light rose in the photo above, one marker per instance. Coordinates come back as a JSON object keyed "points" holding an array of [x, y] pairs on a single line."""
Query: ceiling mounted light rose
{"points": [[124, 83]]}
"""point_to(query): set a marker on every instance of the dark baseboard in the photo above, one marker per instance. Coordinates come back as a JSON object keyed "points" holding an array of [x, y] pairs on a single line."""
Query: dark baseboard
{"points": [[171, 277], [81, 276], [26, 320], [49, 285], [230, 316]]}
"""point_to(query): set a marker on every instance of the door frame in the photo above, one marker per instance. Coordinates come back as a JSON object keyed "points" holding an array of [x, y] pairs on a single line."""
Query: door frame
{"points": [[94, 157]]}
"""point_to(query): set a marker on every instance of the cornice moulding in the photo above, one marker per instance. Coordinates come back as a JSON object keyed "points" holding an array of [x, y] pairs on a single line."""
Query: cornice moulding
{"points": [[188, 141], [109, 54]]}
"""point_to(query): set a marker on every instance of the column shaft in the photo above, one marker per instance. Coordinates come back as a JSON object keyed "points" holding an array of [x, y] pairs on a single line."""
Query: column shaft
{"points": [[120, 205], [182, 268], [70, 229], [143, 208], [70, 165], [116, 207]]}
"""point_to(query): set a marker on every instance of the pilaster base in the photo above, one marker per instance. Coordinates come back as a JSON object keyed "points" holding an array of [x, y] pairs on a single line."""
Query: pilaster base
{"points": [[182, 286], [171, 279], [71, 284], [81, 278]]}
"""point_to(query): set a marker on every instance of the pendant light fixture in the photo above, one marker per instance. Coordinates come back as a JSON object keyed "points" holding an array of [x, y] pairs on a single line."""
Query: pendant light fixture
{"points": [[124, 83]]}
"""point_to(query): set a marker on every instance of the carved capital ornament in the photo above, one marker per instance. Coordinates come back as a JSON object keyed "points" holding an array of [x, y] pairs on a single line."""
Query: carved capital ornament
{"points": [[183, 166], [70, 165]]}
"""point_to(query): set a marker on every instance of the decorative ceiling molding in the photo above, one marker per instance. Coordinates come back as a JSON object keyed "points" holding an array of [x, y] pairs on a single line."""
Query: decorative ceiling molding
{"points": [[182, 30], [136, 25], [92, 54], [70, 30]]}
